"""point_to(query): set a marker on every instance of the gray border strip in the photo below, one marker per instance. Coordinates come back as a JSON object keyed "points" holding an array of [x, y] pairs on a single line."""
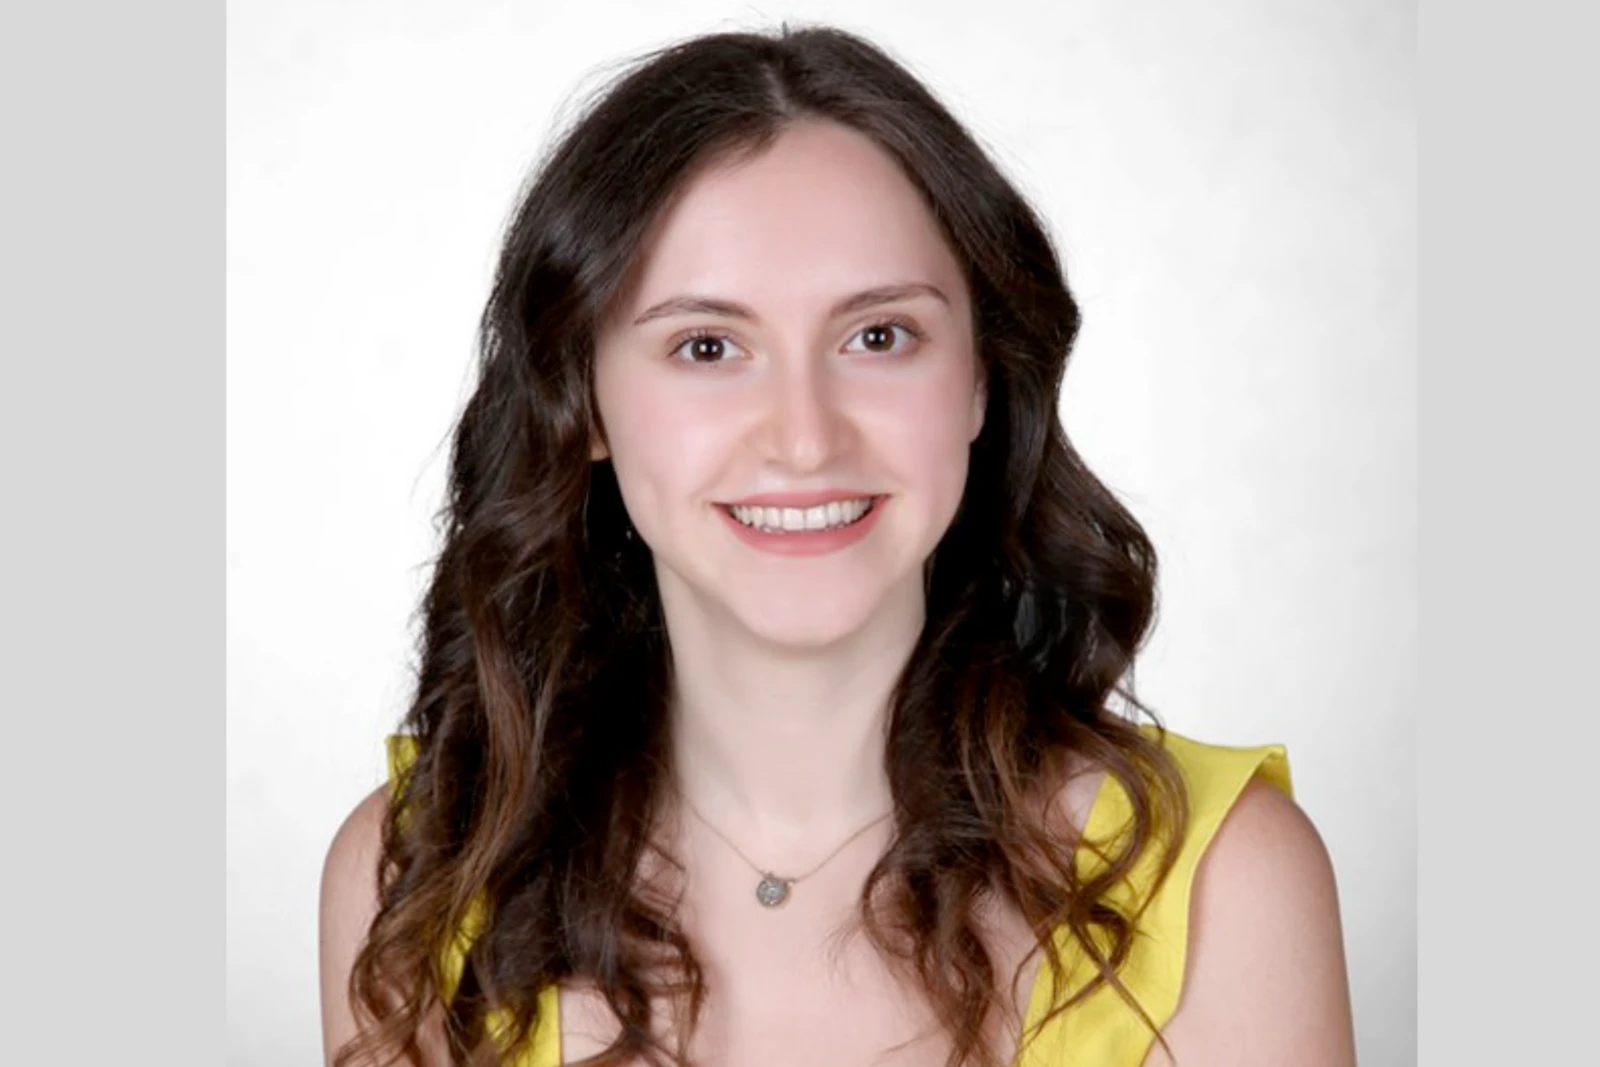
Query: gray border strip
{"points": [[111, 443]]}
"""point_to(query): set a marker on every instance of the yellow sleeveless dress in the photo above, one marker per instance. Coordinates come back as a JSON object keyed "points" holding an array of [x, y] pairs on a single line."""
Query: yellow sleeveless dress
{"points": [[1102, 1031]]}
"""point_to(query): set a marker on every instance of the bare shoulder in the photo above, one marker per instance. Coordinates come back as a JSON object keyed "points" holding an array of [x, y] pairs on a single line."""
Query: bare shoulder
{"points": [[1265, 979], [348, 903], [349, 891], [358, 840]]}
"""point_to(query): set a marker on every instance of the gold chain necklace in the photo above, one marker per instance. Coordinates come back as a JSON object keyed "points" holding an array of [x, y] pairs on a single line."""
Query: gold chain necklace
{"points": [[773, 890]]}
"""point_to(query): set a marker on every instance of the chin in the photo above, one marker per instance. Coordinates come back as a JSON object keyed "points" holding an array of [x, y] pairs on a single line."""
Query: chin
{"points": [[804, 627]]}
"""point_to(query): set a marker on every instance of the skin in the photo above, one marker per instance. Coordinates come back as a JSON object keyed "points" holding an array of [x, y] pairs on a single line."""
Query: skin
{"points": [[784, 665]]}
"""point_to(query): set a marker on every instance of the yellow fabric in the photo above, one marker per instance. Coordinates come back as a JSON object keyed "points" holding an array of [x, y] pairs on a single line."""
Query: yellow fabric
{"points": [[1102, 1030], [544, 1045]]}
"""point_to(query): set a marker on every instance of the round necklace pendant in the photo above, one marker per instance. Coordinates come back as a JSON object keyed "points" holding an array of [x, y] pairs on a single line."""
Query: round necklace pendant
{"points": [[772, 891]]}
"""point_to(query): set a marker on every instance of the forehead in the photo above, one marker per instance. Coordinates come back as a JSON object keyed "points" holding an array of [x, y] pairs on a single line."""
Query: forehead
{"points": [[821, 211]]}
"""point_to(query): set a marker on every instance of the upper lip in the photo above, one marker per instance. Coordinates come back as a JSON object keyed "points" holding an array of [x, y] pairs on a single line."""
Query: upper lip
{"points": [[801, 500]]}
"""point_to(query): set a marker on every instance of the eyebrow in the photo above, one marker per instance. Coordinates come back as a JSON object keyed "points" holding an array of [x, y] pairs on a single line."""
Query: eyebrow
{"points": [[705, 305]]}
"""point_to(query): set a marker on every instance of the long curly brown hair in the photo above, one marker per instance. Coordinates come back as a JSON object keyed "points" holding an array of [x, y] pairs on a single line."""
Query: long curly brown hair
{"points": [[541, 711]]}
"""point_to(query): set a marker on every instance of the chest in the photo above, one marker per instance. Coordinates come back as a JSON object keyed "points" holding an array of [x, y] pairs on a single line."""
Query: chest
{"points": [[802, 985], [800, 994]]}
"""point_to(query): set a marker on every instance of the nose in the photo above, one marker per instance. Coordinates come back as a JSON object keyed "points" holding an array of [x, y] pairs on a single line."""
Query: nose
{"points": [[806, 426]]}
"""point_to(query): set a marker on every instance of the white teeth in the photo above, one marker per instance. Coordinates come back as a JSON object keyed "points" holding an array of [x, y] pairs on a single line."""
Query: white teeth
{"points": [[795, 520]]}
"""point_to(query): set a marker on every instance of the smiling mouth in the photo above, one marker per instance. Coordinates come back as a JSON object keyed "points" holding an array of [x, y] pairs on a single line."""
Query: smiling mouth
{"points": [[822, 518]]}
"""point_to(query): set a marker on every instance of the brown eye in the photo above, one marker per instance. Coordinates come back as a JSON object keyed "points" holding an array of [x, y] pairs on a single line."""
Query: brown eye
{"points": [[878, 338], [887, 337], [705, 349]]}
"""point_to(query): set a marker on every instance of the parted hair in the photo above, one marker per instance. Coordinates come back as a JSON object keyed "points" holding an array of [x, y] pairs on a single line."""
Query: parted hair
{"points": [[540, 717]]}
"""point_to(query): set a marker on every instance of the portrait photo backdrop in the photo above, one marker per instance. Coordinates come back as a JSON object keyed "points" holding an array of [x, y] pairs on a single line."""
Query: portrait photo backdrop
{"points": [[1232, 186]]}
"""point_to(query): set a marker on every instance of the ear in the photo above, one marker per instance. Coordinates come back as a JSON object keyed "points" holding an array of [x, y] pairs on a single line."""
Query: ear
{"points": [[599, 448], [980, 404]]}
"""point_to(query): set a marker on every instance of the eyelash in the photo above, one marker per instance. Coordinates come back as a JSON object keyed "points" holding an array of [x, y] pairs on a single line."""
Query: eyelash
{"points": [[694, 336]]}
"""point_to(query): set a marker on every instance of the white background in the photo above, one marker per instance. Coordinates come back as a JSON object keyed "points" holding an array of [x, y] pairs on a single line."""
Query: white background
{"points": [[1233, 188]]}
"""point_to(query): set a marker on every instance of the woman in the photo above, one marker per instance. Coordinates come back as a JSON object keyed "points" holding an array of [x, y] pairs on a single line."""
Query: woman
{"points": [[768, 701]]}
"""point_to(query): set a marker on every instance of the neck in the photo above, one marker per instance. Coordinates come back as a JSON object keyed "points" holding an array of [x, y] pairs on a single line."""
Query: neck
{"points": [[783, 749]]}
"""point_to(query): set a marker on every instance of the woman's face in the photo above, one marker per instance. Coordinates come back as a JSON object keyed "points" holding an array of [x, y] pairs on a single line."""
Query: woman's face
{"points": [[796, 333]]}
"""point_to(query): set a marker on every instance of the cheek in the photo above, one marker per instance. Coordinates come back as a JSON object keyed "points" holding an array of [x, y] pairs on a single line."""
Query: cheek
{"points": [[662, 451], [931, 434]]}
